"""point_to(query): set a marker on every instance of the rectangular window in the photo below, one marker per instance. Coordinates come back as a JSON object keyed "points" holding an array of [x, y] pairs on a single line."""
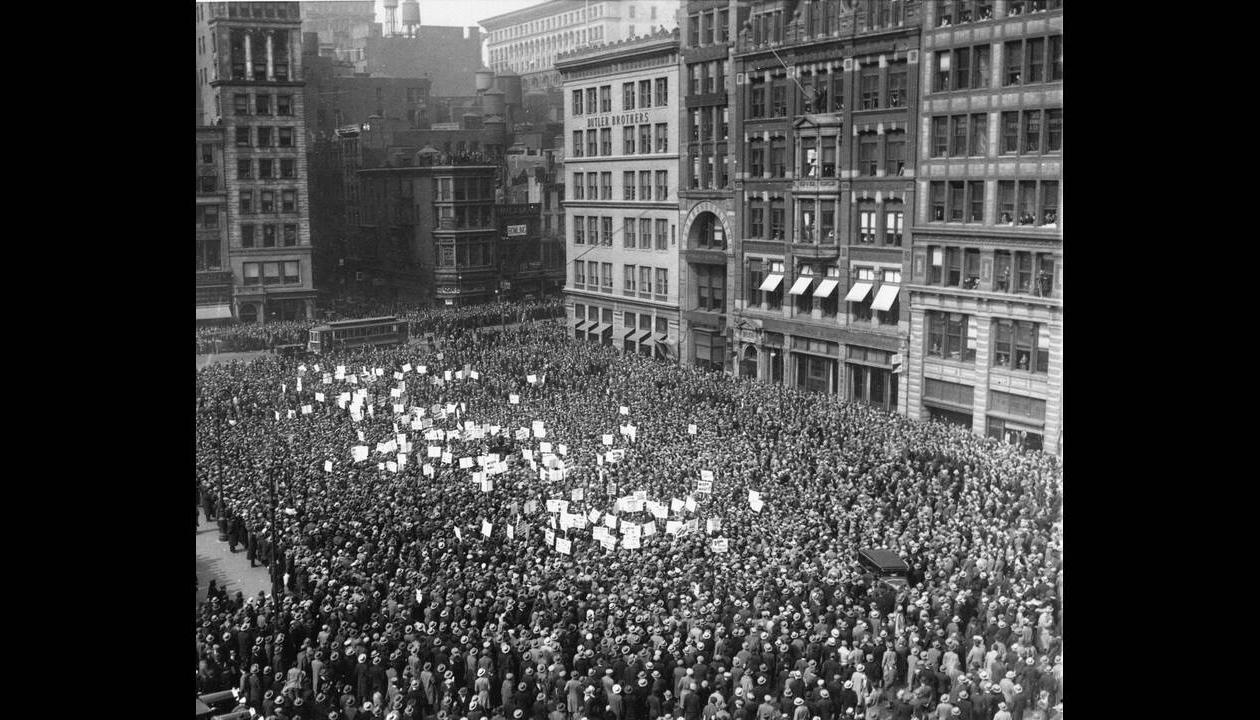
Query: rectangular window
{"points": [[757, 100], [288, 168], [286, 136], [290, 235], [778, 97], [269, 235], [247, 236], [662, 138], [662, 185], [940, 136], [288, 201], [662, 91], [207, 154], [627, 231], [645, 93], [645, 138], [627, 287], [577, 143], [958, 133], [592, 186], [1013, 59], [247, 202], [627, 96], [627, 185], [267, 201], [662, 232], [592, 143], [948, 336], [1027, 202], [284, 105], [979, 135], [627, 140], [605, 98], [975, 201], [208, 216], [868, 146], [579, 273], [592, 230], [1049, 202], [956, 208], [777, 215], [1054, 130], [756, 221], [662, 283], [1006, 202], [981, 67], [962, 68], [870, 87], [240, 104], [1056, 58], [941, 78], [1010, 132], [894, 153], [262, 104], [605, 186], [592, 278], [607, 229], [866, 224], [936, 192], [242, 136], [897, 96], [264, 137], [953, 267], [252, 274], [579, 230], [1032, 131], [894, 223], [578, 189], [605, 277], [1035, 50], [645, 281], [266, 168]]}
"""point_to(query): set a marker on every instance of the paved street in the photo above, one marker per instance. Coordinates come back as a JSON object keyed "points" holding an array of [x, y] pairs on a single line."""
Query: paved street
{"points": [[230, 571]]}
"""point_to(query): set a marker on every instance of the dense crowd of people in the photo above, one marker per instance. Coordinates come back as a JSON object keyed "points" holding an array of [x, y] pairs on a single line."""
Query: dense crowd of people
{"points": [[248, 337], [390, 601]]}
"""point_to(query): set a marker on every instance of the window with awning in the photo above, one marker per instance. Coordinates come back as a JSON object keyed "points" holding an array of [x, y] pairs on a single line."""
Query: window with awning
{"points": [[801, 285], [214, 312], [885, 297], [826, 287], [858, 292], [771, 282]]}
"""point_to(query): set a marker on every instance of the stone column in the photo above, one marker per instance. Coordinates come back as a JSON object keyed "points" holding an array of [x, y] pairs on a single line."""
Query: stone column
{"points": [[249, 57], [271, 60]]}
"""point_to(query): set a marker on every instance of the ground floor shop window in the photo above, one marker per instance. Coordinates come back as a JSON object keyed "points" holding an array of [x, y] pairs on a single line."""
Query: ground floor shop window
{"points": [[249, 313], [873, 386], [816, 374], [748, 364], [1028, 438], [950, 417]]}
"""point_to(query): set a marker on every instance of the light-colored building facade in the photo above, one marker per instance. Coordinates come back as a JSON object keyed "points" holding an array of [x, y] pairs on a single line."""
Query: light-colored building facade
{"points": [[621, 125], [249, 80], [986, 288], [528, 41]]}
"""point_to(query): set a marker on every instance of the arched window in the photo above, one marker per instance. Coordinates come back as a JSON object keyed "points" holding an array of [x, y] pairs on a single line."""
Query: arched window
{"points": [[249, 313]]}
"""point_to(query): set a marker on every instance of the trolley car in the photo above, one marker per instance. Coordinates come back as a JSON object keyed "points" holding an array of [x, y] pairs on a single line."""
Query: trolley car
{"points": [[352, 334]]}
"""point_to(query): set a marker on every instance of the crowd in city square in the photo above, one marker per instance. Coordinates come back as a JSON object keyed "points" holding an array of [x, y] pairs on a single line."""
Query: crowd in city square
{"points": [[600, 536], [248, 337]]}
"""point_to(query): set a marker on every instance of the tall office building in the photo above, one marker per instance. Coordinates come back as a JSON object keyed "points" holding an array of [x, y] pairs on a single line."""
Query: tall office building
{"points": [[249, 82], [529, 40], [986, 291], [621, 116], [826, 95]]}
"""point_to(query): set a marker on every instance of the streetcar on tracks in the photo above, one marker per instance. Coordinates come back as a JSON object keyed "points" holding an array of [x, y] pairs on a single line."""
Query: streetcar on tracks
{"points": [[361, 333]]}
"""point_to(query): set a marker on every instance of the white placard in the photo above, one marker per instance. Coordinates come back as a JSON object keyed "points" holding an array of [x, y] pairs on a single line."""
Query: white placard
{"points": [[718, 545], [625, 410], [328, 466], [359, 453], [691, 429], [675, 505], [486, 528], [608, 440]]}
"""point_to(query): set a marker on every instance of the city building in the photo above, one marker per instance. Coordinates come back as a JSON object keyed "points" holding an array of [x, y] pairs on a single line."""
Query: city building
{"points": [[249, 70], [447, 56], [528, 41], [706, 195], [430, 228], [342, 28], [214, 280], [621, 118], [530, 263], [825, 105], [986, 290], [335, 99]]}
